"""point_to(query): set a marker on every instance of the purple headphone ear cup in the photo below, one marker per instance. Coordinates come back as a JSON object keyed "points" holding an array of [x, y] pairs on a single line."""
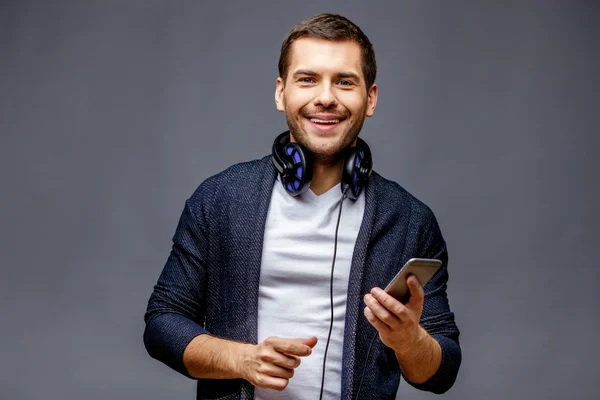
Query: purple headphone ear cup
{"points": [[294, 164], [356, 169]]}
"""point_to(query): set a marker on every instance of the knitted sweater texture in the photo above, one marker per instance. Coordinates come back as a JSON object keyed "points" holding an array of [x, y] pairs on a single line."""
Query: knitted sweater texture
{"points": [[211, 278]]}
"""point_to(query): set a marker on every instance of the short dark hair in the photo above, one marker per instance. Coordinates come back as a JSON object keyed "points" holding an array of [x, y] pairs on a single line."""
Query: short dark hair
{"points": [[335, 28]]}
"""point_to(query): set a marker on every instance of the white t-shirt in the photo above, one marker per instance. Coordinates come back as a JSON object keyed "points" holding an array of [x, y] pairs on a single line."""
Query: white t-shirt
{"points": [[294, 299]]}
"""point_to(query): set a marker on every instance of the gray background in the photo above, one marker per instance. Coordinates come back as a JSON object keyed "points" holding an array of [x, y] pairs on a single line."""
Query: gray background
{"points": [[113, 112]]}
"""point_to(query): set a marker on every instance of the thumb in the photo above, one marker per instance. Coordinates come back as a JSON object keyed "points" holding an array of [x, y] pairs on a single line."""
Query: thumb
{"points": [[416, 290], [310, 342]]}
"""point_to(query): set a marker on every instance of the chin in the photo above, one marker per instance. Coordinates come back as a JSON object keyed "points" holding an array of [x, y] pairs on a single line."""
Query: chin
{"points": [[328, 149]]}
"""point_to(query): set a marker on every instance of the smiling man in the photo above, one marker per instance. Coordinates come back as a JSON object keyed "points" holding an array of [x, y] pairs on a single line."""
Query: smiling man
{"points": [[272, 288]]}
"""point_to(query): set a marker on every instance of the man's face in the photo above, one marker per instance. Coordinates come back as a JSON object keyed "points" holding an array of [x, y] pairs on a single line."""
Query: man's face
{"points": [[324, 96]]}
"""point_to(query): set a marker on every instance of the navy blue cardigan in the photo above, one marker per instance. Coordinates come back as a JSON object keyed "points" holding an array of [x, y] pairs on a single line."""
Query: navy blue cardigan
{"points": [[210, 281]]}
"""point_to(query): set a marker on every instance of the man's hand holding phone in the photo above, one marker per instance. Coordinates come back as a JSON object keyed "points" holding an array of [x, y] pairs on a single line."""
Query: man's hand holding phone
{"points": [[397, 323], [396, 312]]}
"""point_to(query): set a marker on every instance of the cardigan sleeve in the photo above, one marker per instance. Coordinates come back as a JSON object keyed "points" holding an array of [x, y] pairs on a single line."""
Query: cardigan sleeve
{"points": [[437, 319], [174, 315]]}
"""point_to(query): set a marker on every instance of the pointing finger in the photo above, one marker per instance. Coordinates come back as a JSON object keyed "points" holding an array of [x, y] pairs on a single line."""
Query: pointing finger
{"points": [[293, 347]]}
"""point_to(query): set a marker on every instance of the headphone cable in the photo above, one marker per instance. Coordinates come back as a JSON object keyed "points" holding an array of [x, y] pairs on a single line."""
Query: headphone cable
{"points": [[362, 376], [331, 292]]}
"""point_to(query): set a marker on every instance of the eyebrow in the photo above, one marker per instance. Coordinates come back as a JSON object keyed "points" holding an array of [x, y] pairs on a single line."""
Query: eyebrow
{"points": [[305, 72], [351, 75], [308, 72]]}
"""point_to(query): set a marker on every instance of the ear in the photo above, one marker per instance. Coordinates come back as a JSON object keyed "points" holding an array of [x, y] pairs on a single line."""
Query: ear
{"points": [[371, 100], [279, 94]]}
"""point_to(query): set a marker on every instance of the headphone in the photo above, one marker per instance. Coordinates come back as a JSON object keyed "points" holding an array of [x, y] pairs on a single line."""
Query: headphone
{"points": [[295, 166]]}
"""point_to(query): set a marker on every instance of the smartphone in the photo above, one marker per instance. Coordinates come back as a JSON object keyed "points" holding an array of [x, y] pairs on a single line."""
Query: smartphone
{"points": [[422, 268]]}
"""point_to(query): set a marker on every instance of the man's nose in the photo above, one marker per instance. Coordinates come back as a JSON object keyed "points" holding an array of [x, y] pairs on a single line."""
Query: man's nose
{"points": [[326, 97]]}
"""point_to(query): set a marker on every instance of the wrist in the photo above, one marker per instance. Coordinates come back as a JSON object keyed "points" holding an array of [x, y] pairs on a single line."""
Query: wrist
{"points": [[240, 354], [414, 346]]}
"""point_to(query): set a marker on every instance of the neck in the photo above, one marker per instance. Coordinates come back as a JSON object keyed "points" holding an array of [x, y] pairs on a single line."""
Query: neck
{"points": [[326, 174]]}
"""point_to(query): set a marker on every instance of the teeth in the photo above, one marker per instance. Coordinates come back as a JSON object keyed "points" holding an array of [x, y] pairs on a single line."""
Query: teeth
{"points": [[325, 121]]}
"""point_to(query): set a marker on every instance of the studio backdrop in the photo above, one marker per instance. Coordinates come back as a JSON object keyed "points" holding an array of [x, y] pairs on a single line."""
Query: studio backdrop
{"points": [[113, 112]]}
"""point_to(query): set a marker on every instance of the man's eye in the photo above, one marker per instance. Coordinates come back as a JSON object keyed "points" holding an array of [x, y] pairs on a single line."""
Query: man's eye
{"points": [[306, 80], [345, 83]]}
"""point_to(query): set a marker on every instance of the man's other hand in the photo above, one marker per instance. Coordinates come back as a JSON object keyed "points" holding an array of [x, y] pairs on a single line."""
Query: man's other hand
{"points": [[271, 364]]}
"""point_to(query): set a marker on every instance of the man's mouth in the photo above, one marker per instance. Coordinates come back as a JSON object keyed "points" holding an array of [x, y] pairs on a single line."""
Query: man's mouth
{"points": [[324, 121], [325, 124]]}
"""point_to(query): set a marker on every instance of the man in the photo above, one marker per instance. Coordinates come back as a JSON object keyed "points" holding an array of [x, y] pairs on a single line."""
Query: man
{"points": [[266, 275]]}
